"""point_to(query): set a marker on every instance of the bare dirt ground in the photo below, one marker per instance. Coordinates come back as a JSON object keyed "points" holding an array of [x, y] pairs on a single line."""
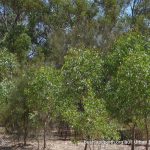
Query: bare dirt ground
{"points": [[6, 143]]}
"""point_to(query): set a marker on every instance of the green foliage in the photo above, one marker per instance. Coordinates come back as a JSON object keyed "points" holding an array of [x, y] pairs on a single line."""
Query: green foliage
{"points": [[31, 101], [9, 68], [22, 45], [129, 90], [17, 109], [122, 47], [8, 64], [6, 87], [40, 89], [126, 78], [130, 42], [93, 122], [77, 103], [80, 65], [18, 42]]}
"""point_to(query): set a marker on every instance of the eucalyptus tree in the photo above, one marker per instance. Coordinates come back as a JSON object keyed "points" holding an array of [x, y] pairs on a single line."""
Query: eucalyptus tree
{"points": [[9, 68], [129, 42], [77, 102], [119, 99], [18, 23], [129, 90], [42, 83], [30, 105]]}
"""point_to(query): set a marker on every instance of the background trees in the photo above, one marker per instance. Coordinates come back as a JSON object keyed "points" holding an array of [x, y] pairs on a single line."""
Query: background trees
{"points": [[50, 28]]}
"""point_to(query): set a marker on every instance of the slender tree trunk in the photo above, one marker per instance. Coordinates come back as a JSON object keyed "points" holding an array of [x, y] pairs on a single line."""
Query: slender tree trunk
{"points": [[37, 138], [85, 148], [44, 135], [25, 127], [147, 134], [38, 143], [25, 134], [133, 138], [93, 146]]}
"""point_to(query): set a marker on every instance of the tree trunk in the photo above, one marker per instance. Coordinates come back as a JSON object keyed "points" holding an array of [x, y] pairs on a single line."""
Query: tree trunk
{"points": [[85, 148], [25, 134], [44, 135], [93, 146], [38, 143], [133, 138], [37, 138], [147, 134], [25, 127]]}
